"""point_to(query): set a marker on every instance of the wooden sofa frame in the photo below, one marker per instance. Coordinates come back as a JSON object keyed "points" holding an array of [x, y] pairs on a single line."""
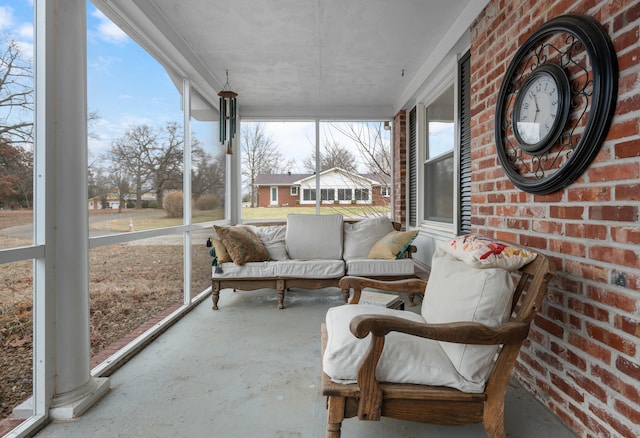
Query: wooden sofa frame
{"points": [[369, 399], [281, 284]]}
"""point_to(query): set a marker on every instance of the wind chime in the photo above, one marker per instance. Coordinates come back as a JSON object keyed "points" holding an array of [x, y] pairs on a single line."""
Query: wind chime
{"points": [[227, 115]]}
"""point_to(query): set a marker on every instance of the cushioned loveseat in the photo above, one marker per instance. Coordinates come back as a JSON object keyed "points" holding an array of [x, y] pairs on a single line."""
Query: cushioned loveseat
{"points": [[309, 252]]}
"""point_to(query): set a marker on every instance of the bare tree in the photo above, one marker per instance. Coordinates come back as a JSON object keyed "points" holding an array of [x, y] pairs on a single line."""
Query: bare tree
{"points": [[332, 155], [372, 144], [16, 95], [259, 155], [165, 161], [133, 155]]}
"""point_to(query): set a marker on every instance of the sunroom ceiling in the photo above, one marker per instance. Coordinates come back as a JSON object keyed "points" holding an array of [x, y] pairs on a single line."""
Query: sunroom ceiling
{"points": [[300, 58]]}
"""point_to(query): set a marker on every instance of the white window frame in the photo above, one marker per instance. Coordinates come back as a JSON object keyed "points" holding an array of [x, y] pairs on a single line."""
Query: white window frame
{"points": [[446, 77], [293, 191]]}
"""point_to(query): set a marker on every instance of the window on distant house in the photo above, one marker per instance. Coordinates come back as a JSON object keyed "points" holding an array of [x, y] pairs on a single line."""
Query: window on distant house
{"points": [[361, 195], [294, 190], [309, 194], [327, 194], [344, 194], [385, 191]]}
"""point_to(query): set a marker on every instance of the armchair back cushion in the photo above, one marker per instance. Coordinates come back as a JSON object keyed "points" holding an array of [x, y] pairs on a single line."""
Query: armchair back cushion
{"points": [[456, 292], [311, 236]]}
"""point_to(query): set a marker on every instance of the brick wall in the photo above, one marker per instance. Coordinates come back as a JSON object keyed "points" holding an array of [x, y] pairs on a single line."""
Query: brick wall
{"points": [[400, 168], [582, 358]]}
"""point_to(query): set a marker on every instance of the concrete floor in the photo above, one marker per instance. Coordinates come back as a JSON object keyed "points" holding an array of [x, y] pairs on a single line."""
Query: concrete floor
{"points": [[250, 370]]}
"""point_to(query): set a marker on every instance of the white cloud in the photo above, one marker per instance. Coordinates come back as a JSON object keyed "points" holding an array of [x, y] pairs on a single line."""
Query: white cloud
{"points": [[108, 31], [104, 63], [6, 18]]}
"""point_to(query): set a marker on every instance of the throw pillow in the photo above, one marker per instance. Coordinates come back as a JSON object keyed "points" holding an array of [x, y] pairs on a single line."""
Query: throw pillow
{"points": [[222, 255], [242, 244], [392, 245], [482, 252]]}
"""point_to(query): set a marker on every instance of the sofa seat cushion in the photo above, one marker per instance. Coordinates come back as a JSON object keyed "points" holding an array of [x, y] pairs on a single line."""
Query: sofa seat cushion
{"points": [[359, 237], [320, 269], [311, 236], [365, 267], [404, 359], [248, 270], [457, 291]]}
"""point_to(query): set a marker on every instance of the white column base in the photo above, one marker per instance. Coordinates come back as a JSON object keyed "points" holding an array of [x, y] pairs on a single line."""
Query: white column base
{"points": [[71, 405]]}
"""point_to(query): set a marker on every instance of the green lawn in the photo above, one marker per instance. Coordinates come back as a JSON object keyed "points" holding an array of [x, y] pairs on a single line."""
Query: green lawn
{"points": [[151, 219]]}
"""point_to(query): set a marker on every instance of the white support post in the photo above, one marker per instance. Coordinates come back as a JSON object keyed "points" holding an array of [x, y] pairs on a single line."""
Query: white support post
{"points": [[67, 249]]}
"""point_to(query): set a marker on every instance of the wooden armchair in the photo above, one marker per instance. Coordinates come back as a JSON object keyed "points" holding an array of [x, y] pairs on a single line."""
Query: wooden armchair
{"points": [[370, 399]]}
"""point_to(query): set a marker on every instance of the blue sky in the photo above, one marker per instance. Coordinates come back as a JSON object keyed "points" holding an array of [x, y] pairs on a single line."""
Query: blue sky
{"points": [[126, 86]]}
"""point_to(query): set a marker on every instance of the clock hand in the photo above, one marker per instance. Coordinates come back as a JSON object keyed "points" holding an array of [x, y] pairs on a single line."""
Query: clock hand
{"points": [[535, 101]]}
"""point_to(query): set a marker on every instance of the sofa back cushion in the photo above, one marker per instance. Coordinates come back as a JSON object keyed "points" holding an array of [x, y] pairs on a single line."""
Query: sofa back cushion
{"points": [[311, 236], [360, 236], [457, 291], [272, 237]]}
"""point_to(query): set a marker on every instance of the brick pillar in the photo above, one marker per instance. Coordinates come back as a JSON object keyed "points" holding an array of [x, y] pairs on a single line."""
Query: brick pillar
{"points": [[400, 168]]}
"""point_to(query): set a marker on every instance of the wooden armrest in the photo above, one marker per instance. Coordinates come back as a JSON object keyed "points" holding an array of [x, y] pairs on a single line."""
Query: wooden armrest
{"points": [[408, 285], [458, 332]]}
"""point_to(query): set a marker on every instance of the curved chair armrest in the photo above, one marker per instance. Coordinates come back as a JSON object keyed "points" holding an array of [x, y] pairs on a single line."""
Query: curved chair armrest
{"points": [[457, 332], [408, 285]]}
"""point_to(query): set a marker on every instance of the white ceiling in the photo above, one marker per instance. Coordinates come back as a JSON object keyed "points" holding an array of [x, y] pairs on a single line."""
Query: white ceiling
{"points": [[300, 58]]}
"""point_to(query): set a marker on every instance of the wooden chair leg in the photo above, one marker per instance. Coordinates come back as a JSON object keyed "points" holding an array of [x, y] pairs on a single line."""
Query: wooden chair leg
{"points": [[215, 296], [335, 415]]}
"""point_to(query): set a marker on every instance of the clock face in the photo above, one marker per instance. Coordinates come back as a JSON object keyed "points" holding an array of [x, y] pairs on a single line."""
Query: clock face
{"points": [[540, 109]]}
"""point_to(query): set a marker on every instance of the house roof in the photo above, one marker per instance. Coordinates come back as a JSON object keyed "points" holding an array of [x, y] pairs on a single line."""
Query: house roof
{"points": [[288, 179], [279, 179]]}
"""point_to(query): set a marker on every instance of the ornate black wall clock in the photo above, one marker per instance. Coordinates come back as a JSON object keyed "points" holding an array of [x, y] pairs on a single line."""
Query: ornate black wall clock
{"points": [[556, 103]]}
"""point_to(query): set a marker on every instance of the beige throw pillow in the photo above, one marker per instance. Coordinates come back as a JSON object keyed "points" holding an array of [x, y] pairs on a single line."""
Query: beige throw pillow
{"points": [[242, 244], [392, 245]]}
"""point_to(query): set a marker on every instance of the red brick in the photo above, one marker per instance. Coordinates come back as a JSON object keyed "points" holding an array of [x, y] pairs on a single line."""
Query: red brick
{"points": [[611, 339], [623, 429], [624, 257], [627, 192], [590, 347], [627, 149], [569, 355], [623, 213], [631, 369], [627, 128], [567, 388], [588, 385], [589, 194], [561, 212], [626, 234], [627, 411], [627, 325], [587, 271], [546, 227], [566, 247], [612, 298], [588, 309], [549, 326], [615, 382], [586, 231]]}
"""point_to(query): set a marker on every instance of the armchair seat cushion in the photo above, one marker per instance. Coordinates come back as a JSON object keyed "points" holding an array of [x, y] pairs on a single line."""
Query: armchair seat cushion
{"points": [[405, 358]]}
